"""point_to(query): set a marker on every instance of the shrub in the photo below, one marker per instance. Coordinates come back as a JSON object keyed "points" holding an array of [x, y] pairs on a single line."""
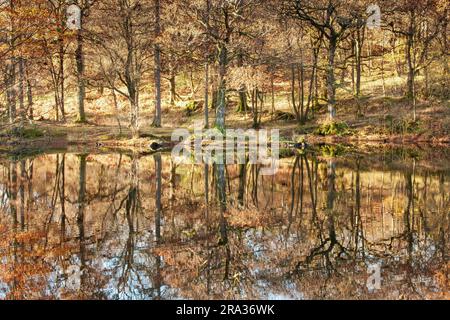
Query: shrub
{"points": [[402, 126], [333, 129]]}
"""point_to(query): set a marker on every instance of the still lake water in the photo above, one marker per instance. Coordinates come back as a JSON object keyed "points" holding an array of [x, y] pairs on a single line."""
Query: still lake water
{"points": [[118, 226]]}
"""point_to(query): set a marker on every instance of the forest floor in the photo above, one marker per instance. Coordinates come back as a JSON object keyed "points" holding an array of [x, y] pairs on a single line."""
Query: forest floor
{"points": [[384, 121]]}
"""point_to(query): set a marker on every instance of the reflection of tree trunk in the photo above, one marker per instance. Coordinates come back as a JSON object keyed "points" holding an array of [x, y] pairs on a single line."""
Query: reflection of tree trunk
{"points": [[242, 179], [293, 189], [158, 206], [158, 220], [356, 221], [255, 177], [331, 196], [22, 194], [62, 197], [221, 193], [13, 192], [206, 170], [409, 211], [311, 187], [80, 218], [30, 201]]}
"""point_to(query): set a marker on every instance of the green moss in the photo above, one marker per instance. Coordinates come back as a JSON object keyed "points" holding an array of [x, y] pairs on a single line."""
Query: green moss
{"points": [[26, 133], [191, 107], [333, 129]]}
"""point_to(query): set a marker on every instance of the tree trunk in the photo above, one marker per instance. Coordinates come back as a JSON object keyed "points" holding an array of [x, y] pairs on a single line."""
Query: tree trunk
{"points": [[411, 94], [302, 92], [409, 60], [206, 95], [243, 105], [11, 91], [173, 88], [79, 56], [255, 108], [134, 116], [312, 84], [30, 101], [294, 102], [358, 57], [221, 99], [157, 120], [61, 77], [331, 87], [272, 91], [22, 90], [116, 108], [208, 9]]}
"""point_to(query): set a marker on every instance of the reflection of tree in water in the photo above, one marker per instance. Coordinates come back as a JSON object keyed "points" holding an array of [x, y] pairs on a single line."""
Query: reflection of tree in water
{"points": [[221, 231]]}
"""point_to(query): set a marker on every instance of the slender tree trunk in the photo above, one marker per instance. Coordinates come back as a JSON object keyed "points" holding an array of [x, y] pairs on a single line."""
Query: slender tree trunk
{"points": [[206, 95], [173, 88], [331, 86], [22, 91], [208, 9], [158, 190], [272, 91], [255, 107], [11, 84], [242, 179], [61, 77], [81, 218], [157, 120], [358, 56], [312, 84], [134, 117], [116, 108], [79, 56], [302, 92], [11, 91], [411, 92], [293, 97], [221, 192], [29, 96], [409, 61], [221, 101], [243, 105], [383, 67]]}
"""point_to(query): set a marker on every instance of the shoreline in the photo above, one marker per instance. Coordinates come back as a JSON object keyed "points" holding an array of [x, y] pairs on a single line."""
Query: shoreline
{"points": [[91, 140]]}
